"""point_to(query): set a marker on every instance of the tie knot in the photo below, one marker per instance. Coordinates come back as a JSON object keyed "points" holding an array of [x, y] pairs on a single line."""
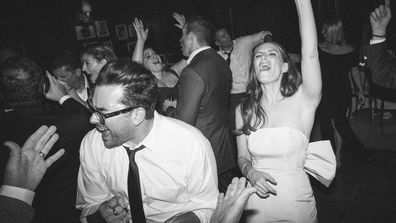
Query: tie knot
{"points": [[132, 152]]}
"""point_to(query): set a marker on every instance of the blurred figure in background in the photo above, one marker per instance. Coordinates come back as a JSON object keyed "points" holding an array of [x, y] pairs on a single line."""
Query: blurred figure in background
{"points": [[337, 59]]}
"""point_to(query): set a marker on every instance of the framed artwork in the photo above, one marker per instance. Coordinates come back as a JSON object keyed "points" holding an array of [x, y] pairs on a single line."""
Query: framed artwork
{"points": [[132, 32], [84, 32], [109, 43], [131, 46], [121, 31], [102, 29]]}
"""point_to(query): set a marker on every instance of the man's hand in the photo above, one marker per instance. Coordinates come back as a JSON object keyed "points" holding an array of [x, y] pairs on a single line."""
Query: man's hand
{"points": [[181, 20], [140, 31], [115, 210], [27, 166], [57, 90], [380, 18], [229, 207]]}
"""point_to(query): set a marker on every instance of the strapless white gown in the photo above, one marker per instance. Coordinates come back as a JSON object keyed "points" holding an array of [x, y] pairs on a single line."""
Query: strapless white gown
{"points": [[286, 154]]}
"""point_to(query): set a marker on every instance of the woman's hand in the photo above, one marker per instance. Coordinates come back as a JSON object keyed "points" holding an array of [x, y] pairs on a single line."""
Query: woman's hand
{"points": [[259, 180], [180, 19], [140, 31]]}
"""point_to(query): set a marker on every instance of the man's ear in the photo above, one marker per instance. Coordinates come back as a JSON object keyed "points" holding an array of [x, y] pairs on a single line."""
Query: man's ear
{"points": [[285, 67], [138, 115], [103, 61], [191, 37]]}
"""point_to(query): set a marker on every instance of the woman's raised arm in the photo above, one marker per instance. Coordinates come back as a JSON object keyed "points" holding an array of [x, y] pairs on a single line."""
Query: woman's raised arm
{"points": [[310, 66]]}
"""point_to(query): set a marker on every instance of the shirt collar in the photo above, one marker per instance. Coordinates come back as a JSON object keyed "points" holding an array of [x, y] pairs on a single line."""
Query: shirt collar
{"points": [[151, 140], [193, 54]]}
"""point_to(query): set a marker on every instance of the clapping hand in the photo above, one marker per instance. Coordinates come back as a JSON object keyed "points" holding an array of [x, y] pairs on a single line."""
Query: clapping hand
{"points": [[230, 206], [115, 210], [380, 18], [260, 180], [57, 90], [27, 166], [180, 19], [140, 31]]}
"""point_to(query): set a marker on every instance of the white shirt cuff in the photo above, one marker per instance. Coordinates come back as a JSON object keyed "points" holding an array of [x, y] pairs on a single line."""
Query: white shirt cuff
{"points": [[17, 193], [63, 99], [375, 41]]}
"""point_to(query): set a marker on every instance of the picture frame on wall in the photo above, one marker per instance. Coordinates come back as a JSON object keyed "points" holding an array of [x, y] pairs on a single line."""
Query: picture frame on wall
{"points": [[102, 28], [121, 31], [84, 32], [132, 32], [131, 46]]}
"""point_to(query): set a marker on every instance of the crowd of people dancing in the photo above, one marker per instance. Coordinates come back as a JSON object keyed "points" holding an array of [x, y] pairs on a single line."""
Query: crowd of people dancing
{"points": [[220, 136]]}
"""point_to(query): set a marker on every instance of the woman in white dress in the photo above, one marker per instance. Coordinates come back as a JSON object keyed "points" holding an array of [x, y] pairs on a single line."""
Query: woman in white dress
{"points": [[274, 153]]}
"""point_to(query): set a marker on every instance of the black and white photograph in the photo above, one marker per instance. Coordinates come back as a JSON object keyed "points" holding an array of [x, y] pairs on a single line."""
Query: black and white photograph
{"points": [[198, 111], [102, 28], [121, 31]]}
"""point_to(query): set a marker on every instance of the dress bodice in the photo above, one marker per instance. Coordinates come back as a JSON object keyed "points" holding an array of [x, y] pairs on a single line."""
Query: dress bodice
{"points": [[279, 148]]}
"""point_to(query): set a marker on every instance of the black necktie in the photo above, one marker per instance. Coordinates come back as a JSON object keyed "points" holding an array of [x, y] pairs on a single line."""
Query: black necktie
{"points": [[228, 56], [134, 192]]}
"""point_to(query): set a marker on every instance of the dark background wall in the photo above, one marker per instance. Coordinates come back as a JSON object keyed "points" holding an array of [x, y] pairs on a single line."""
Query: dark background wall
{"points": [[41, 28]]}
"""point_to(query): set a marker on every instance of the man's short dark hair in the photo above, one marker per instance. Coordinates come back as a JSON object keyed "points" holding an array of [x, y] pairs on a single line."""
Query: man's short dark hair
{"points": [[140, 86], [66, 59], [99, 51], [201, 28], [21, 83]]}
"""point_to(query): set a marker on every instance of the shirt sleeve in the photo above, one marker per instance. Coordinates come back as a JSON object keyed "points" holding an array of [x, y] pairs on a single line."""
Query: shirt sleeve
{"points": [[202, 184], [17, 193], [190, 93], [91, 188], [63, 99]]}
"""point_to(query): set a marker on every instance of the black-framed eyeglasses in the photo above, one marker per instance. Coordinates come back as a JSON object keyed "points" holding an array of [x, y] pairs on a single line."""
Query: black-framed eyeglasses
{"points": [[102, 117]]}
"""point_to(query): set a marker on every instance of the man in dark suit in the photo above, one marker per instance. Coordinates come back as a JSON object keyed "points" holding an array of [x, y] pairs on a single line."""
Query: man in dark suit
{"points": [[203, 95], [23, 111], [382, 66]]}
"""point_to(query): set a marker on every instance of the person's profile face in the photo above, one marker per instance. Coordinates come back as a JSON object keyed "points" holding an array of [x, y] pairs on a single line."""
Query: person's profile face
{"points": [[66, 75], [92, 66], [185, 43], [117, 129]]}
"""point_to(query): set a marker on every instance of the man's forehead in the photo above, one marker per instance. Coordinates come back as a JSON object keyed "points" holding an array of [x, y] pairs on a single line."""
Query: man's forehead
{"points": [[106, 96]]}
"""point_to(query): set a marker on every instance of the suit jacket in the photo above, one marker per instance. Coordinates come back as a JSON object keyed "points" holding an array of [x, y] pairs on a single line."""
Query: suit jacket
{"points": [[56, 194], [382, 66], [15, 211], [203, 102]]}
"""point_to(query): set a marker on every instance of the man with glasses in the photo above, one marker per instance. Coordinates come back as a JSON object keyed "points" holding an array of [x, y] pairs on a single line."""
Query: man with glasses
{"points": [[134, 150]]}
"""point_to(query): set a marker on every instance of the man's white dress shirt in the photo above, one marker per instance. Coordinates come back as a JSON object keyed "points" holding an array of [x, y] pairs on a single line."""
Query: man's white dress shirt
{"points": [[177, 172]]}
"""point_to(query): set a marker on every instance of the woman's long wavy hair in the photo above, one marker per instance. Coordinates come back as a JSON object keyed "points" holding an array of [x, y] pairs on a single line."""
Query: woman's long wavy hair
{"points": [[253, 113]]}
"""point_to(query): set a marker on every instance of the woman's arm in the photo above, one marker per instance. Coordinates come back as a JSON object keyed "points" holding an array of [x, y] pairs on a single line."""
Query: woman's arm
{"points": [[179, 66], [141, 39], [310, 67], [257, 178], [358, 83]]}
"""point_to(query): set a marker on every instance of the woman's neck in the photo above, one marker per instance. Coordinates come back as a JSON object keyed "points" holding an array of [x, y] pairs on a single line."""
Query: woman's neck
{"points": [[157, 74], [271, 93]]}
